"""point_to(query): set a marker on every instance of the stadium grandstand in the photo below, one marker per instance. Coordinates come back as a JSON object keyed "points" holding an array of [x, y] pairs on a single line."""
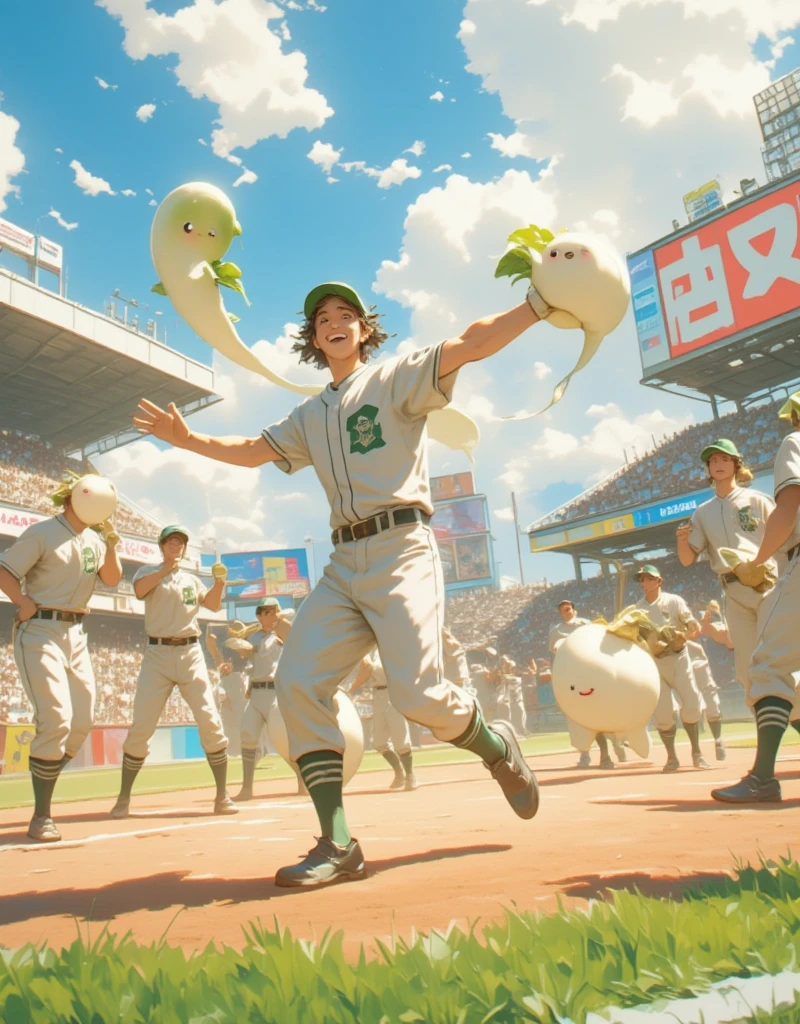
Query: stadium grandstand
{"points": [[71, 381]]}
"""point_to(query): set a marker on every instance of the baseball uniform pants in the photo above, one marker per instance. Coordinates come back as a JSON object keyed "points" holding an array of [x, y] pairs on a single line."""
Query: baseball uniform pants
{"points": [[745, 611], [519, 715], [388, 724], [56, 672], [675, 671], [256, 716], [709, 690], [386, 589], [233, 688], [776, 659], [162, 668]]}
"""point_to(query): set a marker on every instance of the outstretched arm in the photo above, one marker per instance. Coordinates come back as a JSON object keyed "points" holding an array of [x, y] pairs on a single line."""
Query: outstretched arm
{"points": [[171, 427], [780, 523], [485, 337]]}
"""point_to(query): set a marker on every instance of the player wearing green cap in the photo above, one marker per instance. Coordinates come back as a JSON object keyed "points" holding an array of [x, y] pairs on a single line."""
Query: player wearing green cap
{"points": [[773, 692], [173, 657], [734, 518], [674, 667], [365, 436]]}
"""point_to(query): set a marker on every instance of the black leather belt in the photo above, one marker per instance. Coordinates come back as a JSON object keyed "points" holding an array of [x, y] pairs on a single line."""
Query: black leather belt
{"points": [[377, 524], [792, 552], [172, 641], [53, 613], [728, 577], [266, 685], [380, 687]]}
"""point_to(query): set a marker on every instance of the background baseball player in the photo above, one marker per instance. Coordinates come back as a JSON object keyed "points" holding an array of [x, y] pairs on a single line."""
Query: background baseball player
{"points": [[365, 437], [267, 648], [390, 733], [674, 667], [570, 621], [734, 518], [709, 691], [776, 659], [233, 680], [58, 561], [173, 657]]}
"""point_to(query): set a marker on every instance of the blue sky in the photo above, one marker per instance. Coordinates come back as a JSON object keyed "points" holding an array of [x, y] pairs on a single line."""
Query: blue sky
{"points": [[621, 129]]}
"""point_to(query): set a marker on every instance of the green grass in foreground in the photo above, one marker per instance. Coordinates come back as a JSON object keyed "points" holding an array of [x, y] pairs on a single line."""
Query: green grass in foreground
{"points": [[103, 783], [529, 967]]}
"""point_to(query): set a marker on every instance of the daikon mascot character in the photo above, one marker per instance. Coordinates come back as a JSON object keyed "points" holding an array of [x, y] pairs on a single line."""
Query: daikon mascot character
{"points": [[577, 280], [192, 230], [606, 683]]}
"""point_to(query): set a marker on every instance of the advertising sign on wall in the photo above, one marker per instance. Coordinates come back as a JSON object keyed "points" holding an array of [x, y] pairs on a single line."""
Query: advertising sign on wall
{"points": [[456, 485], [735, 272], [456, 518], [256, 574]]}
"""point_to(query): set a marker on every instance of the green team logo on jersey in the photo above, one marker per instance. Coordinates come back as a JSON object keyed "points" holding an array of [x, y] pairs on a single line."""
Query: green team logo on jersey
{"points": [[89, 560], [747, 520], [189, 596], [365, 431]]}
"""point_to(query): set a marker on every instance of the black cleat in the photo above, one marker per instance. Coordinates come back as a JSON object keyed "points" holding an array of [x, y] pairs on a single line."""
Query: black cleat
{"points": [[399, 780], [672, 765], [326, 864], [517, 781], [751, 790], [121, 809]]}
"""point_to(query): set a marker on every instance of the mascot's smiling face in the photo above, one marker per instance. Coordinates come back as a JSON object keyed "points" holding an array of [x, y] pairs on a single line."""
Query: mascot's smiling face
{"points": [[583, 275], [199, 219], [603, 682]]}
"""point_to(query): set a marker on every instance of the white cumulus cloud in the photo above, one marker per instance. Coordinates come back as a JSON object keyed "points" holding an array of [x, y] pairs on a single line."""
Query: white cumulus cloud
{"points": [[442, 167], [128, 192], [397, 172], [324, 155], [60, 220], [12, 159], [227, 53], [246, 178], [416, 148], [516, 144], [437, 97], [103, 84], [145, 112], [88, 183]]}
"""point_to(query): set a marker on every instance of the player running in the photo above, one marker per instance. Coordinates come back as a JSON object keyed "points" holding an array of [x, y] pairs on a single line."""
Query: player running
{"points": [[365, 437]]}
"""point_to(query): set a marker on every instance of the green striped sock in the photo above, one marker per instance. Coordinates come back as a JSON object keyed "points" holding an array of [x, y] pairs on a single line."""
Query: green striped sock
{"points": [[44, 775], [219, 767], [772, 719], [323, 774], [480, 739]]}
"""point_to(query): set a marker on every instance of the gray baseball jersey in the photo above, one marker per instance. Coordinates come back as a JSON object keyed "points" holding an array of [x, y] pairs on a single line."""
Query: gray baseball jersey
{"points": [[171, 607], [667, 610], [58, 564], [378, 408], [366, 440], [563, 630], [266, 654], [736, 521], [786, 473]]}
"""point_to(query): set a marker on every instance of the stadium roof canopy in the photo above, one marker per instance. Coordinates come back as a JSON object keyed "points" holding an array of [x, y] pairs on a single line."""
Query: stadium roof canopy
{"points": [[73, 377]]}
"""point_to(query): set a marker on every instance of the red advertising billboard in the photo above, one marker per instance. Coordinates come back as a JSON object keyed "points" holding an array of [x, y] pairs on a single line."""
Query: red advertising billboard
{"points": [[455, 485], [456, 518], [732, 273]]}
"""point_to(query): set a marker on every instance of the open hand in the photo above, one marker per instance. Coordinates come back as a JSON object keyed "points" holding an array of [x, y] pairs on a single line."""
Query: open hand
{"points": [[167, 426]]}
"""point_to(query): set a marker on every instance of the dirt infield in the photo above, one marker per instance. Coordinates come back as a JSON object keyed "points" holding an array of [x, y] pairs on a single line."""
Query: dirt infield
{"points": [[451, 850]]}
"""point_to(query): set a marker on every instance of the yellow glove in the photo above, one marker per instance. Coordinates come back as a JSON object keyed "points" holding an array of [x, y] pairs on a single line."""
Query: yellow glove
{"points": [[219, 571], [759, 577], [109, 534]]}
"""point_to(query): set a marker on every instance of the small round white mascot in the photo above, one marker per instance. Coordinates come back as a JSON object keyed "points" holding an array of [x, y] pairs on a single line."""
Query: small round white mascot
{"points": [[94, 499], [605, 683]]}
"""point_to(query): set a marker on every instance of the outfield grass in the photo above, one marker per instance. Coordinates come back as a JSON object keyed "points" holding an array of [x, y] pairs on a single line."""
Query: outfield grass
{"points": [[103, 783], [624, 951]]}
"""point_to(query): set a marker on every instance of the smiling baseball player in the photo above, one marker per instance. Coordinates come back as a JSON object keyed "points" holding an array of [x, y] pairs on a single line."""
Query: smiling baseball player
{"points": [[59, 560], [365, 437], [734, 518], [173, 657], [773, 670], [674, 667]]}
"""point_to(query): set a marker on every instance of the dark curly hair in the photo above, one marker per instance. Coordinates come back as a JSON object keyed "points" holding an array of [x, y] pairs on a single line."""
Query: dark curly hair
{"points": [[371, 331]]}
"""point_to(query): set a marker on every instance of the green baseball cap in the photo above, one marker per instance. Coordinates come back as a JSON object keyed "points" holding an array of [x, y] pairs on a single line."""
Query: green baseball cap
{"points": [[267, 602], [723, 445], [169, 530], [792, 404], [332, 288], [648, 570]]}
